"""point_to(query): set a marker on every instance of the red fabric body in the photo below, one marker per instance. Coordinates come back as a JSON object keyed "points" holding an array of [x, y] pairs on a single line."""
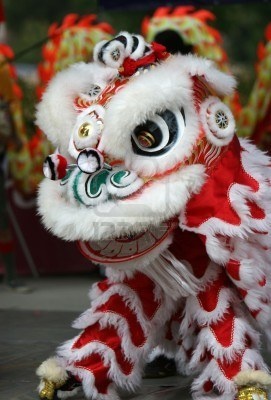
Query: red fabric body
{"points": [[213, 199], [109, 335]]}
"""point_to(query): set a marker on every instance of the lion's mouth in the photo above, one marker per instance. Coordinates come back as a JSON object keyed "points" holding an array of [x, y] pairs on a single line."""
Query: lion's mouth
{"points": [[127, 248]]}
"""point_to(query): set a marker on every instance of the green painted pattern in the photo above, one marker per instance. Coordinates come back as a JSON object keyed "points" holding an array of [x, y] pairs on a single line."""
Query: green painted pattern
{"points": [[92, 184], [118, 176]]}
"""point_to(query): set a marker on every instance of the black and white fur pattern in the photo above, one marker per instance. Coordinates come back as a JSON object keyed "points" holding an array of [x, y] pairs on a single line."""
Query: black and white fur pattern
{"points": [[112, 53]]}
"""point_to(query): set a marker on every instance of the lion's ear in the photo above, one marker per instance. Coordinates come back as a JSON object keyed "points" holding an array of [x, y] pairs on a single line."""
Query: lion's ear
{"points": [[217, 120], [218, 82], [209, 84]]}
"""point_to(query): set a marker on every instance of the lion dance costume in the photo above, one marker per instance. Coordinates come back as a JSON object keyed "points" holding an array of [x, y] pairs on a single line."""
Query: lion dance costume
{"points": [[151, 180]]}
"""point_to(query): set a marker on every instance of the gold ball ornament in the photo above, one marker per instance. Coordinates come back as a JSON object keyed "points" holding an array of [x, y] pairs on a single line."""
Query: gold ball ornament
{"points": [[252, 393], [49, 389]]}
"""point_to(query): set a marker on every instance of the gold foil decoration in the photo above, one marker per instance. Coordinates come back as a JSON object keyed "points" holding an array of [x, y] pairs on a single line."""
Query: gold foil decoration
{"points": [[252, 393], [49, 389], [85, 130]]}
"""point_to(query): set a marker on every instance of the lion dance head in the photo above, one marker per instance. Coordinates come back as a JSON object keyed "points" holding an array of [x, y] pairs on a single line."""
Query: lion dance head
{"points": [[149, 177]]}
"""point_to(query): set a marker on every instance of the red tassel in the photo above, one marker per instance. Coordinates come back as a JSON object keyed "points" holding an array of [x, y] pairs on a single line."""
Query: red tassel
{"points": [[130, 66]]}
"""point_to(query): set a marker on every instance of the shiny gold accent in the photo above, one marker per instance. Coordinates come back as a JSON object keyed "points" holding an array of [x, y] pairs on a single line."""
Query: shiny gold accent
{"points": [[49, 389], [146, 139], [221, 119], [85, 130], [247, 392]]}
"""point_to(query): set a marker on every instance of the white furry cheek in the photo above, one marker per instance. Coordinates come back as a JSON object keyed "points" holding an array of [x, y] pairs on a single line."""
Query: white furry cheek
{"points": [[117, 147]]}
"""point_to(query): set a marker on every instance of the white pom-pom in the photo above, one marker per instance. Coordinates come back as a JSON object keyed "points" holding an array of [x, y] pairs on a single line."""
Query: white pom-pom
{"points": [[90, 161]]}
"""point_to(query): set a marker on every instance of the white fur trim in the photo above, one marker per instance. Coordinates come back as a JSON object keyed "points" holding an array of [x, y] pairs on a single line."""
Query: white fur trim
{"points": [[136, 355], [255, 164], [97, 49], [250, 376], [87, 116], [130, 381], [52, 370], [130, 298], [129, 44], [212, 372], [251, 360], [220, 82], [139, 51], [89, 388], [111, 219], [208, 341], [55, 114], [225, 297], [115, 48], [173, 276], [67, 394]]}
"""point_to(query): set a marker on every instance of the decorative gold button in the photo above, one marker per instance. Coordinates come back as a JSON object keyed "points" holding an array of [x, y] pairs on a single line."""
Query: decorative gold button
{"points": [[85, 130]]}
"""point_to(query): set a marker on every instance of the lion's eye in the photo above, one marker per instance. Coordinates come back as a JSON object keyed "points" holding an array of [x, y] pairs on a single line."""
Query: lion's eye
{"points": [[159, 133]]}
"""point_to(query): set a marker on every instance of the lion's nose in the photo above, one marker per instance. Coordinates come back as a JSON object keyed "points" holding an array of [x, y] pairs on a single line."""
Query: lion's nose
{"points": [[90, 160]]}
